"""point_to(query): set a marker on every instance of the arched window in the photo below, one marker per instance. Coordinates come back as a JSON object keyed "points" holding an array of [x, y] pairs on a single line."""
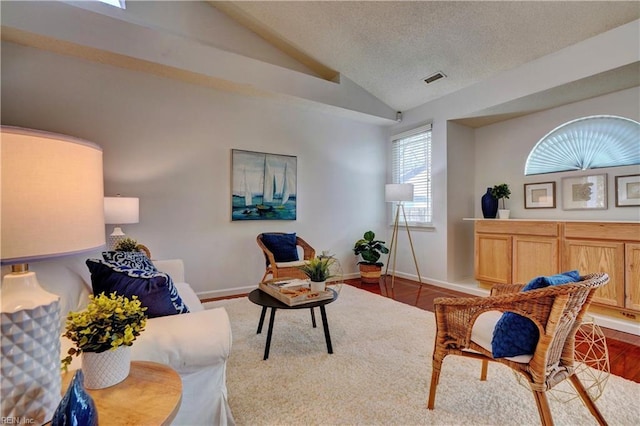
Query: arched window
{"points": [[586, 143]]}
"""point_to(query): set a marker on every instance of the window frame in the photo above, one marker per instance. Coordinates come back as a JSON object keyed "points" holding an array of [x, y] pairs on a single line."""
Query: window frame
{"points": [[427, 128]]}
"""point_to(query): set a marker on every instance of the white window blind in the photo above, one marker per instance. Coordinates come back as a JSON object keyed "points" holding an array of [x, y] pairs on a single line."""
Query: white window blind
{"points": [[411, 163]]}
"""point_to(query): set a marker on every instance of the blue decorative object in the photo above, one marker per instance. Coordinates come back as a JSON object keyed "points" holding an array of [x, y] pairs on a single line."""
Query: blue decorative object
{"points": [[489, 205], [132, 259], [516, 335], [283, 246], [155, 290], [77, 406]]}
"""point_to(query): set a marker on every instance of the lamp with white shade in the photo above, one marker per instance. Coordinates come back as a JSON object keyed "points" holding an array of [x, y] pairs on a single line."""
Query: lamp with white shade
{"points": [[400, 193], [120, 211], [52, 205]]}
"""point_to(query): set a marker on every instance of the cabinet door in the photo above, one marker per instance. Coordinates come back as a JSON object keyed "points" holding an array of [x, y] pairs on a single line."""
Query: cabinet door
{"points": [[533, 257], [493, 258], [599, 256], [632, 276]]}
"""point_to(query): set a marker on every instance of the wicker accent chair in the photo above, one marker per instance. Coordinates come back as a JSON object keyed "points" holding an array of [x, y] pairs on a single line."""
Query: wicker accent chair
{"points": [[557, 312], [285, 269]]}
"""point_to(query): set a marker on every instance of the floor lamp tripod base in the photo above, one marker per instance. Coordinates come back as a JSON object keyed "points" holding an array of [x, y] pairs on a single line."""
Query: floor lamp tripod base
{"points": [[394, 250]]}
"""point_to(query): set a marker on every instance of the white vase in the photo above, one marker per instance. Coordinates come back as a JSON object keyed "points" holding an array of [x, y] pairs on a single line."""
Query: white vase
{"points": [[107, 368], [317, 285], [503, 214]]}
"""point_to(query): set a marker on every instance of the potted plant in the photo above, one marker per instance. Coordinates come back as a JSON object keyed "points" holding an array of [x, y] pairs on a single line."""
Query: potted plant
{"points": [[318, 269], [370, 250], [102, 333], [500, 192]]}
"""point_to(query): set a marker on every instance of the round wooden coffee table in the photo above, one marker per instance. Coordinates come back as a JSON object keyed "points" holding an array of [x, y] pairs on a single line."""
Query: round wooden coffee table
{"points": [[261, 298], [150, 395]]}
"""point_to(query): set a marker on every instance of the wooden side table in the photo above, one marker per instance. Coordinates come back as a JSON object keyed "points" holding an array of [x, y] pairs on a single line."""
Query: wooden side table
{"points": [[150, 395]]}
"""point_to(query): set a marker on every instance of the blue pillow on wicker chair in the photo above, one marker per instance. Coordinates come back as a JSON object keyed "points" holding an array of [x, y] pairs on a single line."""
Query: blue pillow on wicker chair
{"points": [[155, 290], [516, 335], [283, 246], [132, 259]]}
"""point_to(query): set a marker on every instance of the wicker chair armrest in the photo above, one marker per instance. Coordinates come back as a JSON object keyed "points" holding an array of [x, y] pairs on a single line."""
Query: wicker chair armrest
{"points": [[499, 289], [455, 316], [308, 251]]}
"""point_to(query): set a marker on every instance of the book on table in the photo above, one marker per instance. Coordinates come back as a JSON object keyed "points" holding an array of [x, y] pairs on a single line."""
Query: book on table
{"points": [[293, 292]]}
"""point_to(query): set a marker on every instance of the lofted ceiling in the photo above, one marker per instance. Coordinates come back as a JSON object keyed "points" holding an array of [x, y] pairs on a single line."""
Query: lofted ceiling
{"points": [[389, 48]]}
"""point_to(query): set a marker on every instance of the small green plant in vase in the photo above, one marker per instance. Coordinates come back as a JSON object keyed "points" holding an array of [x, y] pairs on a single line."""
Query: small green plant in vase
{"points": [[502, 192], [107, 323], [318, 270]]}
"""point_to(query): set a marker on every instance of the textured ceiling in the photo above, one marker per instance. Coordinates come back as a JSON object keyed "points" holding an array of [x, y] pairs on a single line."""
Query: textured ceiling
{"points": [[388, 48]]}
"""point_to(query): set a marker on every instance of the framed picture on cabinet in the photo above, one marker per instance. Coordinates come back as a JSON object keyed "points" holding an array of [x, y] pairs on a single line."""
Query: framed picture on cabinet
{"points": [[541, 195], [627, 190], [584, 192]]}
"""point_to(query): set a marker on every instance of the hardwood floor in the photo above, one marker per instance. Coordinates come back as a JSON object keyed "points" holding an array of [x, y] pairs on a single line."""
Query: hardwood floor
{"points": [[623, 348]]}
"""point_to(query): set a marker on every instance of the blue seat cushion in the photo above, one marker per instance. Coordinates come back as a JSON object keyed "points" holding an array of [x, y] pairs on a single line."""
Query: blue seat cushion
{"points": [[155, 290], [283, 246], [516, 335]]}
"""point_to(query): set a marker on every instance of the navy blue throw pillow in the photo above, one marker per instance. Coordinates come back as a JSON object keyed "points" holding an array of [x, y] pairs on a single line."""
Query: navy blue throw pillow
{"points": [[132, 259], [283, 246], [516, 335], [155, 290]]}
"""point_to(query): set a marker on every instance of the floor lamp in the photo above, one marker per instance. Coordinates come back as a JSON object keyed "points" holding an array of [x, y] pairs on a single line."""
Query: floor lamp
{"points": [[399, 193], [52, 205]]}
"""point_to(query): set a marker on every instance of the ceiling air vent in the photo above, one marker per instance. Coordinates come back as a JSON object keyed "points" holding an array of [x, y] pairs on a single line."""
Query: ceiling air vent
{"points": [[434, 77]]}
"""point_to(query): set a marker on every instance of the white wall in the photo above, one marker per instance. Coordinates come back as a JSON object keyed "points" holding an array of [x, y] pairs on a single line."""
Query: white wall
{"points": [[169, 143], [502, 150]]}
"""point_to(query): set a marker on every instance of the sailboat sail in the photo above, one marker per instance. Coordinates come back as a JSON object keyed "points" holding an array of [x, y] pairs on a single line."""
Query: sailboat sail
{"points": [[269, 183], [286, 191], [247, 191]]}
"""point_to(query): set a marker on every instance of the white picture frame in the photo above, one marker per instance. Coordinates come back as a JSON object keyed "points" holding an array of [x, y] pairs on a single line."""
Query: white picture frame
{"points": [[585, 192], [628, 191], [540, 195]]}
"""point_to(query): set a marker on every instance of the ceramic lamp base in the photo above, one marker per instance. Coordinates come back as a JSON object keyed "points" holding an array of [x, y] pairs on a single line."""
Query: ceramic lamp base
{"points": [[31, 364]]}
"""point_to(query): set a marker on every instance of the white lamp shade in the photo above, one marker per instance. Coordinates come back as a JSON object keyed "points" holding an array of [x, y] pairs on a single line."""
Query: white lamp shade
{"points": [[52, 205], [398, 192], [52, 195], [121, 210]]}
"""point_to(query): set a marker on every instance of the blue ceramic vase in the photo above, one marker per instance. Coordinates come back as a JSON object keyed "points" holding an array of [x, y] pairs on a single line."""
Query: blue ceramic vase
{"points": [[76, 407], [489, 205]]}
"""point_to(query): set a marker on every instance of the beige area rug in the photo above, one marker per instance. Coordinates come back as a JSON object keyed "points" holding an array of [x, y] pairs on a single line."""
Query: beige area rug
{"points": [[379, 373]]}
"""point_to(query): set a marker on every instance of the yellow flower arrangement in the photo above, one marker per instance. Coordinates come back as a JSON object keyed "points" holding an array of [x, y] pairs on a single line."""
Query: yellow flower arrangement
{"points": [[107, 323]]}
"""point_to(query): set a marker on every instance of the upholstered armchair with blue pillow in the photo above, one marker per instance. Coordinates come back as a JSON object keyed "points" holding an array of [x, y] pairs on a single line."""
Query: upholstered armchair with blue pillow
{"points": [[529, 328], [180, 332], [282, 254]]}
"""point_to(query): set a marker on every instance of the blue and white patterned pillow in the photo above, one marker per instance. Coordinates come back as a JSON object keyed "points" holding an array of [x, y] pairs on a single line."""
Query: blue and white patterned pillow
{"points": [[155, 290], [132, 259]]}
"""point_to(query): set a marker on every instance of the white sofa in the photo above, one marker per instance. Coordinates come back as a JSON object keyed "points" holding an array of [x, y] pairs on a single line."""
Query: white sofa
{"points": [[196, 344]]}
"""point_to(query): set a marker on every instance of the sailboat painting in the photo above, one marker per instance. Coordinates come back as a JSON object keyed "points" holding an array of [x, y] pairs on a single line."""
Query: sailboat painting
{"points": [[264, 186]]}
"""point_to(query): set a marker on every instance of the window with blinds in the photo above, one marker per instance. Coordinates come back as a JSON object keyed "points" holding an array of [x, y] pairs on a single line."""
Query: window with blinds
{"points": [[411, 163]]}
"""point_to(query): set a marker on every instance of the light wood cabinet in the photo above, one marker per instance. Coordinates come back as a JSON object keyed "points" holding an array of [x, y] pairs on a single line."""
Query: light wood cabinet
{"points": [[599, 256], [493, 258], [519, 250], [632, 273], [534, 256], [515, 251]]}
